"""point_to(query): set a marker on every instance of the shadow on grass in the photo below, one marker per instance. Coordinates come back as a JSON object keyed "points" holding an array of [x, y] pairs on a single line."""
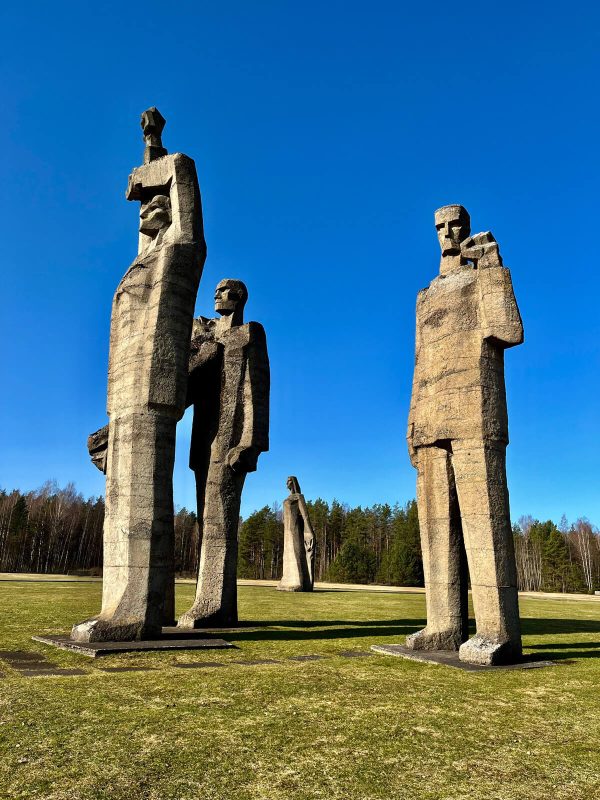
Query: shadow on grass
{"points": [[351, 588], [567, 657], [565, 645], [296, 631], [330, 623], [567, 652], [540, 626]]}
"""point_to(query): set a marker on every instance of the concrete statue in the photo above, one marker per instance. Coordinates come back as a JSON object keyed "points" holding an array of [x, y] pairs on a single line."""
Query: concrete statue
{"points": [[457, 437], [298, 542], [151, 325], [229, 390]]}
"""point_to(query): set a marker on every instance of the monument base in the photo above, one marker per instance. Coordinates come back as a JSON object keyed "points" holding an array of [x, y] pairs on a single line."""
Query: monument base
{"points": [[449, 658], [171, 639]]}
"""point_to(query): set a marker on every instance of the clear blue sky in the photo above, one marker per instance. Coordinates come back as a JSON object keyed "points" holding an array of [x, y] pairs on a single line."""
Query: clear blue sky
{"points": [[325, 134]]}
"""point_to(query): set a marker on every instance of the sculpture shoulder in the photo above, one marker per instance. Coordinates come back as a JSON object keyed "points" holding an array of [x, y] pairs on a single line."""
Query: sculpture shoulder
{"points": [[499, 274], [181, 158], [249, 334], [256, 333], [457, 281]]}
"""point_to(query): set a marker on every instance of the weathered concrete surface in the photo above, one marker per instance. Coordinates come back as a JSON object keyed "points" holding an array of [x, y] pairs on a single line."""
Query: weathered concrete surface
{"points": [[151, 325], [298, 542], [457, 437], [229, 389]]}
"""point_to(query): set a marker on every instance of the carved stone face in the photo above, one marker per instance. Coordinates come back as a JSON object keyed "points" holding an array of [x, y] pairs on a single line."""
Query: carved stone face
{"points": [[293, 485], [453, 226], [155, 216], [230, 296]]}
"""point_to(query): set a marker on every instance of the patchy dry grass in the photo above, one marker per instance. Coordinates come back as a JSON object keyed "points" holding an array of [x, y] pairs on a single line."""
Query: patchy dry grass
{"points": [[340, 728]]}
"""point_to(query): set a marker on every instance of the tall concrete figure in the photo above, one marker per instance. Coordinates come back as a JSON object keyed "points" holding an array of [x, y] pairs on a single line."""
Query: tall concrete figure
{"points": [[151, 324], [229, 389], [298, 543], [457, 437]]}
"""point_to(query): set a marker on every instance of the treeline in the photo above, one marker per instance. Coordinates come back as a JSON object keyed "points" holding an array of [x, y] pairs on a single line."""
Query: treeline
{"points": [[379, 544], [53, 530], [50, 530], [551, 558], [57, 530]]}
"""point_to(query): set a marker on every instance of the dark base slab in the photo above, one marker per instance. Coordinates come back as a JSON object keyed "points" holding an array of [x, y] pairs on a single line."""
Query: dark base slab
{"points": [[171, 639], [449, 658]]}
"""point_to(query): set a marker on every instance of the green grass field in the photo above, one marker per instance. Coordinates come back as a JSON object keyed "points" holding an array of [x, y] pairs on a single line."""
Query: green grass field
{"points": [[347, 728]]}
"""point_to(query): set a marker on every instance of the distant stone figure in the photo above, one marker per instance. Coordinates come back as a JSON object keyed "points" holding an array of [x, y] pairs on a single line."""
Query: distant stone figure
{"points": [[298, 543], [229, 389], [151, 324], [457, 437]]}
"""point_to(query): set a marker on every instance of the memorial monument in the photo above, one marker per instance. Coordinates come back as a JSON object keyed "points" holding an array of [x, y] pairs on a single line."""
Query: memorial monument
{"points": [[298, 542], [457, 437], [151, 325], [229, 390]]}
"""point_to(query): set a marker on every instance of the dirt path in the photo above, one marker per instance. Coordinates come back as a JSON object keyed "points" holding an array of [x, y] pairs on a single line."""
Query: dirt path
{"points": [[338, 587]]}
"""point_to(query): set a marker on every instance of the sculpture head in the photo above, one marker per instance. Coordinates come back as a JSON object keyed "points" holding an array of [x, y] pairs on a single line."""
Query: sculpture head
{"points": [[453, 226], [155, 215], [230, 297], [153, 123], [293, 485]]}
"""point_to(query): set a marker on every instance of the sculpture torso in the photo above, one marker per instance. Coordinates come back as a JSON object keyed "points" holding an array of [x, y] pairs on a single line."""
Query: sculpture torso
{"points": [[217, 370], [153, 306], [458, 390], [147, 364]]}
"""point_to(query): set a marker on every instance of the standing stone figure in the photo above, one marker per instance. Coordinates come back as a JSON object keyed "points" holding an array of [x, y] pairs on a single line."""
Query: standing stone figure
{"points": [[298, 543], [457, 437], [151, 324], [229, 389]]}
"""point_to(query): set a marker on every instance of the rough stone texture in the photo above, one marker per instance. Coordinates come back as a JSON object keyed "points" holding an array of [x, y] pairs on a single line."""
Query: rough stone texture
{"points": [[98, 447], [457, 437], [229, 389], [151, 324], [298, 543]]}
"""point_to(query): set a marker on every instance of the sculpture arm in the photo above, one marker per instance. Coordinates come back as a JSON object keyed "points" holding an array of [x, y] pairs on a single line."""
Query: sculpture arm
{"points": [[254, 438], [202, 354], [309, 534], [175, 176], [500, 314], [414, 396], [98, 448]]}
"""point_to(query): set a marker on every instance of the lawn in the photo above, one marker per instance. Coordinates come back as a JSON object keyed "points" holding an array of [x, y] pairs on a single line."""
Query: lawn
{"points": [[340, 727]]}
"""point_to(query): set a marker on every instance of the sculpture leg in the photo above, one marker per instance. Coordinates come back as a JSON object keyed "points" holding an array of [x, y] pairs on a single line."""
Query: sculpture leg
{"points": [[138, 530], [443, 559], [216, 592], [480, 470]]}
